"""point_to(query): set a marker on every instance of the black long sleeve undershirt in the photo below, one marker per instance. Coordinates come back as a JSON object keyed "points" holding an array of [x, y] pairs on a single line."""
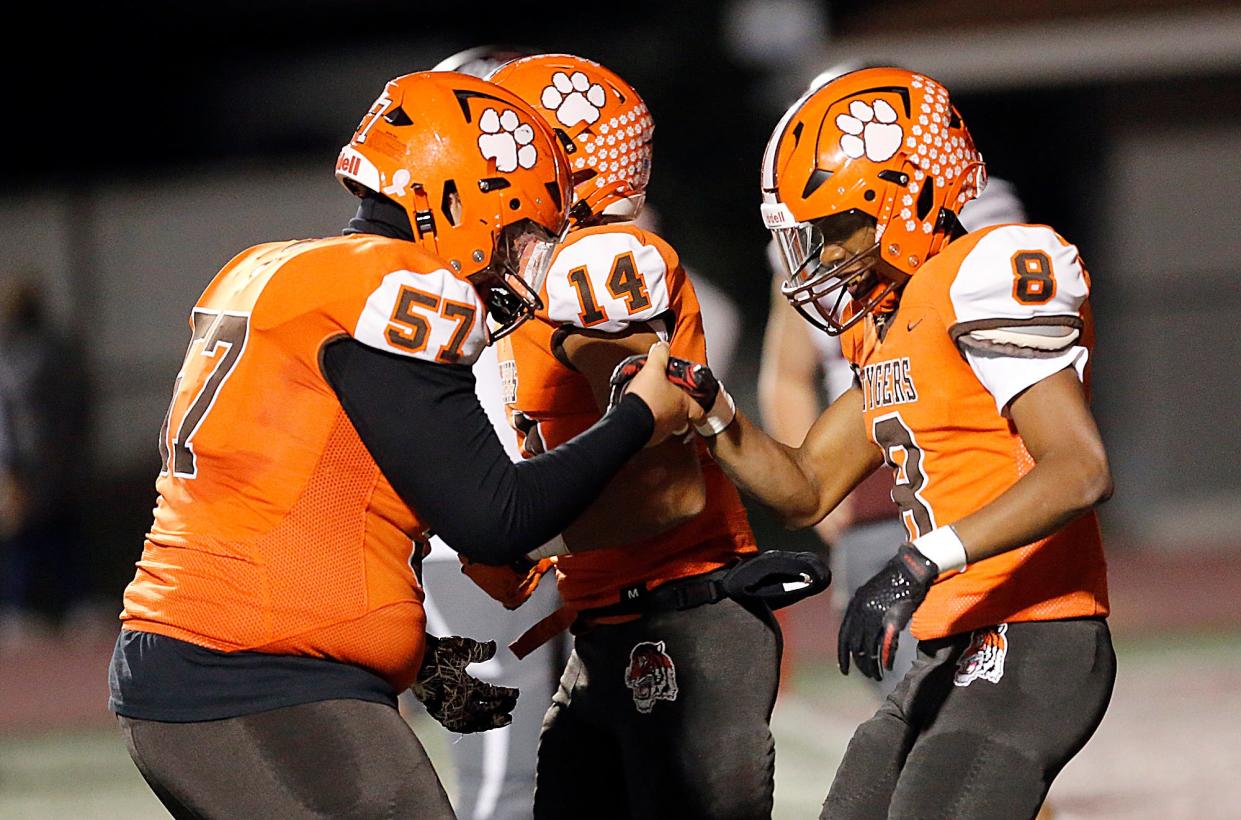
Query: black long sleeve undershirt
{"points": [[424, 426]]}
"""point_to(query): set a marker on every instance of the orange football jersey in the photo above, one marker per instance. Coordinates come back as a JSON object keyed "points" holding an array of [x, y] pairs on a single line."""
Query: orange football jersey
{"points": [[605, 279], [945, 433], [274, 529]]}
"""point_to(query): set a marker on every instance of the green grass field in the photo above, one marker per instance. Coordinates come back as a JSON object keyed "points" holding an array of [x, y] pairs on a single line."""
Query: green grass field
{"points": [[1167, 749]]}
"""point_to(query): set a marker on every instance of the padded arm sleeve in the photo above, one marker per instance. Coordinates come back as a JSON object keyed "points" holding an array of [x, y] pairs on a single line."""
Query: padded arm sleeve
{"points": [[1005, 377], [425, 428]]}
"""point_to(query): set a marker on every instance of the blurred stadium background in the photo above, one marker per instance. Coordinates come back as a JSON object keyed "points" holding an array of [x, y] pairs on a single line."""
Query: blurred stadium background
{"points": [[146, 149]]}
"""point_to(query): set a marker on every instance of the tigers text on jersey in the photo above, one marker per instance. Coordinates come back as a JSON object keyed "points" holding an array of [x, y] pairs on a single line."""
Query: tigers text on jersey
{"points": [[606, 279], [938, 412], [274, 529]]}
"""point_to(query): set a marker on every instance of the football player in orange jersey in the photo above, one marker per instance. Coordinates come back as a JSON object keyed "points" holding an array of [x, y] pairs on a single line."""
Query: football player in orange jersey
{"points": [[323, 422], [664, 705], [971, 356]]}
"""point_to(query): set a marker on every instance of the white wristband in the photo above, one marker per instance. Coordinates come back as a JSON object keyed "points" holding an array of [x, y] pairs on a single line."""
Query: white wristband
{"points": [[721, 414], [944, 547], [552, 548]]}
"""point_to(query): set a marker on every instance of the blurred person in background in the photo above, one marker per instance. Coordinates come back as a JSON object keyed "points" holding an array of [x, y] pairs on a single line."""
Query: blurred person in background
{"points": [[43, 409], [721, 317], [323, 422], [972, 353], [664, 706]]}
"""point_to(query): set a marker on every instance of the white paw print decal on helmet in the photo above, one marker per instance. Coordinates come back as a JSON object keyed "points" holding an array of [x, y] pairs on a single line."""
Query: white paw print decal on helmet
{"points": [[870, 130], [507, 140], [575, 99]]}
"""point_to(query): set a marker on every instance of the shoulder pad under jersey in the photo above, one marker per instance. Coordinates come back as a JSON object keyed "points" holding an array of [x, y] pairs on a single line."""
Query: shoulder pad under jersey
{"points": [[1019, 291], [607, 278]]}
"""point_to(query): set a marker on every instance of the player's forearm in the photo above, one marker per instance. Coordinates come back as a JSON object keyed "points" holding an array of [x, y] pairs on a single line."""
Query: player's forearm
{"points": [[1059, 489], [769, 472]]}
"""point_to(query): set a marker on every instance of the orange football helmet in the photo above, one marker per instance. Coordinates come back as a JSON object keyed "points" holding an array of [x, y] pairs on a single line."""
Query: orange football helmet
{"points": [[483, 179], [883, 144], [603, 123]]}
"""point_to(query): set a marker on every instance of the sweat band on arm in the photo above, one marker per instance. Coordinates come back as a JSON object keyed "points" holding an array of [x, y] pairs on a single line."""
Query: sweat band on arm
{"points": [[943, 546], [721, 414]]}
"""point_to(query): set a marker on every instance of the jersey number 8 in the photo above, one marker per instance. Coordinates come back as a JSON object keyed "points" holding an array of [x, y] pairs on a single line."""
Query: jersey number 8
{"points": [[1034, 283]]}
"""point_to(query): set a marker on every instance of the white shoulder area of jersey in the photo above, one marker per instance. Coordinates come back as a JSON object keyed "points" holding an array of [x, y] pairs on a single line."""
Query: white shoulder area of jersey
{"points": [[607, 280], [1019, 292], [432, 316]]}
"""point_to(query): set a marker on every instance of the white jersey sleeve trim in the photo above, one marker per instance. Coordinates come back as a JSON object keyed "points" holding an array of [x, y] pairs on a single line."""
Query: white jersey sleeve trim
{"points": [[424, 316], [605, 257], [1005, 377]]}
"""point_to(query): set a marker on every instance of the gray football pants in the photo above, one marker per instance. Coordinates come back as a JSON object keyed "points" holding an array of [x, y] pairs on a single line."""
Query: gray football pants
{"points": [[495, 769], [979, 728], [665, 718], [333, 758]]}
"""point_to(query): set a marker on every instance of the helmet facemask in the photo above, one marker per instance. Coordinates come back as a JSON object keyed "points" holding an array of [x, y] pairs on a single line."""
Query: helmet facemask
{"points": [[509, 285], [822, 291]]}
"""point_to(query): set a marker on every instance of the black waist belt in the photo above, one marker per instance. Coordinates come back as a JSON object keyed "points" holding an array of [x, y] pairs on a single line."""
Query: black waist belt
{"points": [[775, 577], [683, 593]]}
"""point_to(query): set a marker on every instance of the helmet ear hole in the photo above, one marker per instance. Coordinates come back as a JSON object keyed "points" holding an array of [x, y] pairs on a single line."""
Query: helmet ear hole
{"points": [[450, 205]]}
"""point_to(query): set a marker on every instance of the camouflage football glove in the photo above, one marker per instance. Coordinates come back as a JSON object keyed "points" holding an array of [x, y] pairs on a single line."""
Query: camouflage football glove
{"points": [[459, 701], [880, 609], [695, 379]]}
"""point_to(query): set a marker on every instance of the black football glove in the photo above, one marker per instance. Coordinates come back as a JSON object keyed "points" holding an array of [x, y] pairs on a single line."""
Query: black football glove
{"points": [[695, 379], [459, 701], [880, 609]]}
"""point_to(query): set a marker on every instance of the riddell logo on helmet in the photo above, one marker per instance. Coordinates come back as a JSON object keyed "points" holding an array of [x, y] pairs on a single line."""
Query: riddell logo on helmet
{"points": [[777, 215], [348, 164]]}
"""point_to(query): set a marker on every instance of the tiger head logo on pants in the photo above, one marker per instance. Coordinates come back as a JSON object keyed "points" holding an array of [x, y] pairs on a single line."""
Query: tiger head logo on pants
{"points": [[984, 657], [651, 675]]}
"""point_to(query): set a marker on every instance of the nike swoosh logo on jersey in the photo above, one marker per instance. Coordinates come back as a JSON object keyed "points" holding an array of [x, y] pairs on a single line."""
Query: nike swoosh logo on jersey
{"points": [[911, 325]]}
